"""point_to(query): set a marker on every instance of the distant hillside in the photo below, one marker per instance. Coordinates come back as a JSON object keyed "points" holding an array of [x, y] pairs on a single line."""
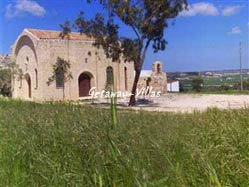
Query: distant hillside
{"points": [[175, 75]]}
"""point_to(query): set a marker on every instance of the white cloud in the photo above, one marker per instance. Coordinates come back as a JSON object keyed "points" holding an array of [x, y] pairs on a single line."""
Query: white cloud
{"points": [[231, 10], [235, 30], [202, 8], [24, 6]]}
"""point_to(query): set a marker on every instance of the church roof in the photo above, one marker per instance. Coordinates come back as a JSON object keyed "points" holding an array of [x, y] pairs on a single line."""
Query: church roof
{"points": [[50, 34]]}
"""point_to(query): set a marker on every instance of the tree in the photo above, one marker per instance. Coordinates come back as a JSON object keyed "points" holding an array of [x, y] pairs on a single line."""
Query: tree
{"points": [[147, 19], [181, 85], [5, 82], [16, 73], [61, 74], [245, 85], [197, 83]]}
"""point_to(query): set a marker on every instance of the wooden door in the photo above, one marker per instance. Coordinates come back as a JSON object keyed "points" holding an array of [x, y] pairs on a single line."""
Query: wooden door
{"points": [[84, 85]]}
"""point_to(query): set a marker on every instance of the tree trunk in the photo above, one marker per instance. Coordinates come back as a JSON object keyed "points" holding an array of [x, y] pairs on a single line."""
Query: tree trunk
{"points": [[138, 67], [134, 87], [63, 90]]}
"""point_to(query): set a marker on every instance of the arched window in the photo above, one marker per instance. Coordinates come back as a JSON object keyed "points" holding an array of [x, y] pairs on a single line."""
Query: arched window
{"points": [[36, 79], [59, 79], [125, 76], [109, 75], [158, 68]]}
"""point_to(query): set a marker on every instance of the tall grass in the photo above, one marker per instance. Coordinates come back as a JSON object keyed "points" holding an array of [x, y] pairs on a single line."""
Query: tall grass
{"points": [[67, 145]]}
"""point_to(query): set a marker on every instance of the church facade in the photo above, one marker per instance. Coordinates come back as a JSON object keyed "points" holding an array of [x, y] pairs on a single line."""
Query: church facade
{"points": [[36, 51]]}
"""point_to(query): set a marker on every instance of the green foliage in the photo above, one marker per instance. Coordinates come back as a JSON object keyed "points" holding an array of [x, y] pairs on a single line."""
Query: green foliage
{"points": [[61, 71], [224, 87], [225, 79], [68, 145], [5, 82], [245, 85], [61, 74], [197, 83], [215, 84], [147, 19], [16, 71], [66, 30]]}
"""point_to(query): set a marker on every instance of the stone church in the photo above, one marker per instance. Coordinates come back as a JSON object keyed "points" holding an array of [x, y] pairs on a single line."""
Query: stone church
{"points": [[36, 51]]}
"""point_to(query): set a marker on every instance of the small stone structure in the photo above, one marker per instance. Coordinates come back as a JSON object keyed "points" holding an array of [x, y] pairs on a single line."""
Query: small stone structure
{"points": [[36, 51], [155, 78]]}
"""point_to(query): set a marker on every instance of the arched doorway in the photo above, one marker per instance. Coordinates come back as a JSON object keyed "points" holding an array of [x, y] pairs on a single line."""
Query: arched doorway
{"points": [[84, 82], [28, 81]]}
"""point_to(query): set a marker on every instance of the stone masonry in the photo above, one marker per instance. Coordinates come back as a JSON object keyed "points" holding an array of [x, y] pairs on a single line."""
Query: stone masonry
{"points": [[155, 78]]}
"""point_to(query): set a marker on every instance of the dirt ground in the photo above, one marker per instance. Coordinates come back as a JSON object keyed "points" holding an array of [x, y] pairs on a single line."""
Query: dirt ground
{"points": [[192, 102]]}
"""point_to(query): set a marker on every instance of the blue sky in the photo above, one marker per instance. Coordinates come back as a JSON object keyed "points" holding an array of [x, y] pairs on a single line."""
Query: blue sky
{"points": [[206, 37]]}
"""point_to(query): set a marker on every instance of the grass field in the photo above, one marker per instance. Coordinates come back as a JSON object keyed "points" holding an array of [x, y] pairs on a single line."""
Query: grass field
{"points": [[227, 79], [57, 145], [214, 83]]}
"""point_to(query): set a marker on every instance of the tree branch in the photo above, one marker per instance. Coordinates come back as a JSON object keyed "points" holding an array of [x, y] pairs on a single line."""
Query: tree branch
{"points": [[140, 62], [145, 49], [152, 14], [132, 26], [136, 32]]}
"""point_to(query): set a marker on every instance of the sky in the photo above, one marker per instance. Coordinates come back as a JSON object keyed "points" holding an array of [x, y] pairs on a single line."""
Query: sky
{"points": [[204, 37]]}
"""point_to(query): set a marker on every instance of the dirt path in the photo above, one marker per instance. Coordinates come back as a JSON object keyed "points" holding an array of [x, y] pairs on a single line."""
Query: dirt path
{"points": [[191, 102]]}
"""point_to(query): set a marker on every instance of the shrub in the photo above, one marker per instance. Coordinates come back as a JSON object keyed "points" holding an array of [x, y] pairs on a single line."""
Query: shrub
{"points": [[197, 83], [245, 85], [224, 87], [5, 82]]}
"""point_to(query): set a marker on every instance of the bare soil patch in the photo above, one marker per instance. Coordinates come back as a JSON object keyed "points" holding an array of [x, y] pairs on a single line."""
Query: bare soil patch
{"points": [[193, 102]]}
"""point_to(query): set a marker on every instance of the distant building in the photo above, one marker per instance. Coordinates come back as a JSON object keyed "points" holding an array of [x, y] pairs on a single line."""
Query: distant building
{"points": [[208, 74], [155, 78], [173, 86]]}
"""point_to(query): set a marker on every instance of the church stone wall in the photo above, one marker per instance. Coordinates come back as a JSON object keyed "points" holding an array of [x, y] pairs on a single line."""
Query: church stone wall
{"points": [[83, 58]]}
